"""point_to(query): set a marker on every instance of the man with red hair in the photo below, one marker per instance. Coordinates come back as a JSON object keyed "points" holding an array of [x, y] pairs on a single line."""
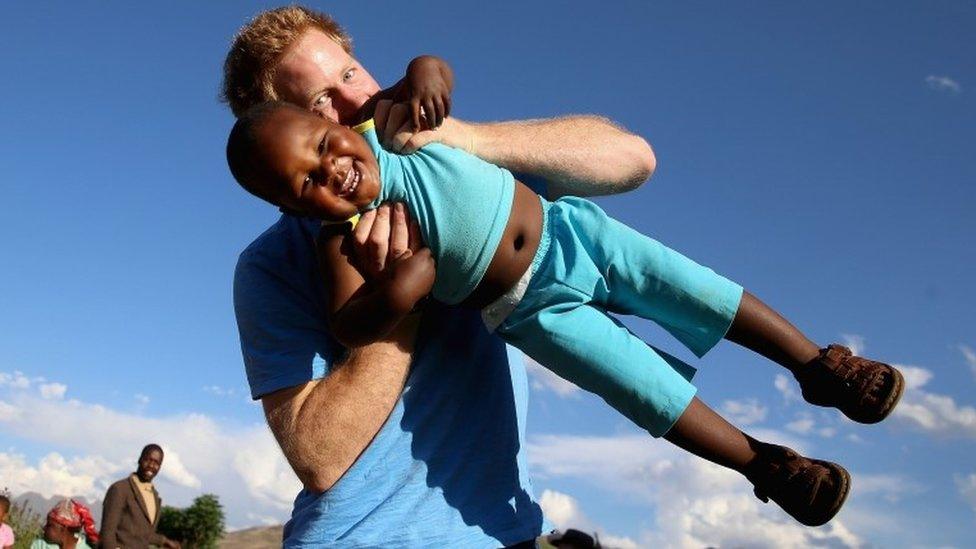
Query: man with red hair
{"points": [[419, 440]]}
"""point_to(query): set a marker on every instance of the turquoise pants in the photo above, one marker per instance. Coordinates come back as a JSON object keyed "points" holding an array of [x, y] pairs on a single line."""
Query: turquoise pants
{"points": [[588, 265]]}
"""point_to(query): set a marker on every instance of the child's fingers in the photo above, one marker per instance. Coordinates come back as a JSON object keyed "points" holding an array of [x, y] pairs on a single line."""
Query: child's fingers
{"points": [[430, 112], [439, 107], [415, 110], [447, 106]]}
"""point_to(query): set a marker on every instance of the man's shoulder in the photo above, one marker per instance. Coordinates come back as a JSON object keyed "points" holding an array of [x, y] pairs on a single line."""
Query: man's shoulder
{"points": [[282, 258], [286, 233], [118, 486]]}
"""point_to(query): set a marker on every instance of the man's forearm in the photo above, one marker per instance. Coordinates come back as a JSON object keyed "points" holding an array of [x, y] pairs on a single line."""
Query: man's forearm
{"points": [[325, 425], [577, 155]]}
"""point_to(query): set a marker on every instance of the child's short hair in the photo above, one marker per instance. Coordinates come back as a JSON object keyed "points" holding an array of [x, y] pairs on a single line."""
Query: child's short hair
{"points": [[243, 148], [5, 503]]}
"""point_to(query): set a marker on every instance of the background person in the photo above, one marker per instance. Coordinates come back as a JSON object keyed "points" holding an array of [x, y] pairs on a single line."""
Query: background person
{"points": [[132, 505], [6, 532], [69, 525]]}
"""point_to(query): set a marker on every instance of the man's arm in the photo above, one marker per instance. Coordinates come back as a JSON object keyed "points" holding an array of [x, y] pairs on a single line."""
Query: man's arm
{"points": [[324, 425], [576, 155], [111, 513]]}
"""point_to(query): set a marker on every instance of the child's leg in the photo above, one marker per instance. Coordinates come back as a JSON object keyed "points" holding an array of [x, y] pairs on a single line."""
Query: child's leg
{"points": [[763, 330], [645, 278], [812, 491], [706, 434]]}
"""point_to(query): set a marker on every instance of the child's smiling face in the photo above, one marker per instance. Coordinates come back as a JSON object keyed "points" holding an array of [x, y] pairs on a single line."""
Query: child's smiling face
{"points": [[314, 166]]}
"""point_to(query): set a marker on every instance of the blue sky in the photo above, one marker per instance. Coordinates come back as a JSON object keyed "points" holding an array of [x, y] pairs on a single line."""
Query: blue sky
{"points": [[819, 155]]}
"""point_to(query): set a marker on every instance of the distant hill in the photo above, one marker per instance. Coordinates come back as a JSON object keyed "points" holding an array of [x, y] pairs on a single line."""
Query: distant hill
{"points": [[41, 505], [261, 537]]}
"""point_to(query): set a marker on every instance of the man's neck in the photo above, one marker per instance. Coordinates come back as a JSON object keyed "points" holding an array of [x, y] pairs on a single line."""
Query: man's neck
{"points": [[140, 481]]}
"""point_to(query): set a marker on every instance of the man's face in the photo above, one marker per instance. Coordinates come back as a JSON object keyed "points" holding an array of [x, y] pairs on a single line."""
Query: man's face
{"points": [[315, 167], [149, 464], [315, 73]]}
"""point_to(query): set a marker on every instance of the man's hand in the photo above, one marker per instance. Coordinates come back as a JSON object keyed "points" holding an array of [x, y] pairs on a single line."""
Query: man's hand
{"points": [[395, 130], [384, 234]]}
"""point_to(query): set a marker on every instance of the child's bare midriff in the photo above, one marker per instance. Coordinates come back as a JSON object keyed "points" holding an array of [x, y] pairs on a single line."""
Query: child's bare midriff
{"points": [[515, 251]]}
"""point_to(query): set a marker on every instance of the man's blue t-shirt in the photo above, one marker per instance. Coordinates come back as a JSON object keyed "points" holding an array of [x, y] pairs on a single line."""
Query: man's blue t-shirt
{"points": [[448, 468]]}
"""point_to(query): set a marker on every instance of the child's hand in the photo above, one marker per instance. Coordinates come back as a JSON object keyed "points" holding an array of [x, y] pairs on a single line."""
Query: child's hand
{"points": [[411, 278], [427, 85]]}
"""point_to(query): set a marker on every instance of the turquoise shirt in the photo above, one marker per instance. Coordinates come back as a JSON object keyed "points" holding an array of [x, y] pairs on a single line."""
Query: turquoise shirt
{"points": [[461, 203], [39, 543]]}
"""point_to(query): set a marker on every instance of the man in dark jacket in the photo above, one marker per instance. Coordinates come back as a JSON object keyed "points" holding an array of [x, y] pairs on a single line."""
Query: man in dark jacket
{"points": [[131, 509]]}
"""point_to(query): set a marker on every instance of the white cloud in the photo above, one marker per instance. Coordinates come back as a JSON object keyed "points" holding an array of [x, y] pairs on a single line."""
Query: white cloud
{"points": [[544, 379], [141, 399], [8, 412], [802, 425], [785, 386], [970, 355], [932, 412], [54, 475], [943, 84], [744, 412], [854, 342], [241, 464], [617, 542], [564, 512], [698, 504], [53, 391], [889, 487], [219, 391], [967, 489], [16, 380]]}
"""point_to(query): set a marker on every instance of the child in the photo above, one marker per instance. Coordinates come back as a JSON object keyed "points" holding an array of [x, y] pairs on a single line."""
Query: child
{"points": [[6, 532], [545, 275]]}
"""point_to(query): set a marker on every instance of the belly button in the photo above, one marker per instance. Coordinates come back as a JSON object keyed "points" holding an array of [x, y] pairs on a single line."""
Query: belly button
{"points": [[519, 242]]}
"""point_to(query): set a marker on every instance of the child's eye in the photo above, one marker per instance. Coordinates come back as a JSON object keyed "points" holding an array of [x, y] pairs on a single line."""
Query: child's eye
{"points": [[307, 182], [348, 75], [322, 146]]}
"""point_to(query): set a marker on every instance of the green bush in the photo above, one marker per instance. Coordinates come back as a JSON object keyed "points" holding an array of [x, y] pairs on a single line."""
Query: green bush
{"points": [[199, 526]]}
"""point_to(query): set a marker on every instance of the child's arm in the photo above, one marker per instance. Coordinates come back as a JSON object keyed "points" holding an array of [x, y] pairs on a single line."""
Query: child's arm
{"points": [[428, 84], [362, 312]]}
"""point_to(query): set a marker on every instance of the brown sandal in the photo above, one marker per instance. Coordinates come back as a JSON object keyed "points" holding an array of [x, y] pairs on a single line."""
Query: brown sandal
{"points": [[865, 390], [810, 490]]}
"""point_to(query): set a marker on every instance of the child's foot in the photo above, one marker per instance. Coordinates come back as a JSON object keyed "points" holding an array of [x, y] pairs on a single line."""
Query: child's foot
{"points": [[865, 390], [810, 490]]}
